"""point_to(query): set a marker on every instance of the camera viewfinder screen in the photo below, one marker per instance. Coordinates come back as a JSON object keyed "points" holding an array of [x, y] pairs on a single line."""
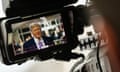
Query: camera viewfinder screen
{"points": [[37, 34]]}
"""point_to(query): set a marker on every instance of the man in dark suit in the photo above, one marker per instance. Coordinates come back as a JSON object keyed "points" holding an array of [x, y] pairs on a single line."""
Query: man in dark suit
{"points": [[37, 42]]}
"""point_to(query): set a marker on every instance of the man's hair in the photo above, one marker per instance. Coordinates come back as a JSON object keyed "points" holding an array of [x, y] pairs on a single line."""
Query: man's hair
{"points": [[111, 12], [34, 24]]}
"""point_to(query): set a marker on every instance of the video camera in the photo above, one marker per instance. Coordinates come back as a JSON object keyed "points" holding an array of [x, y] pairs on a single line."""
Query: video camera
{"points": [[54, 24]]}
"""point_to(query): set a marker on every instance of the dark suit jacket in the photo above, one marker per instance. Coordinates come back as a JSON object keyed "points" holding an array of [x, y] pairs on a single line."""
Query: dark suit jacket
{"points": [[30, 45]]}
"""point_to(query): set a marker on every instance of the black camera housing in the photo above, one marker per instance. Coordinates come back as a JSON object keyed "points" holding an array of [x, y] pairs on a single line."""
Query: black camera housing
{"points": [[29, 7], [73, 24], [70, 38]]}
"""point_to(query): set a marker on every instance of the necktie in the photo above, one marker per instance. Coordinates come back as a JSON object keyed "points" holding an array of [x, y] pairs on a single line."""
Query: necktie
{"points": [[40, 44]]}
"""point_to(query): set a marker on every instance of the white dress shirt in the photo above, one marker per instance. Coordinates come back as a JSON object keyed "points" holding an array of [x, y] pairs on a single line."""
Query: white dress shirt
{"points": [[37, 43]]}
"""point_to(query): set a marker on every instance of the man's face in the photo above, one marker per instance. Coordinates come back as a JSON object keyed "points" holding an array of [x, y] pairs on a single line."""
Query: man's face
{"points": [[36, 31]]}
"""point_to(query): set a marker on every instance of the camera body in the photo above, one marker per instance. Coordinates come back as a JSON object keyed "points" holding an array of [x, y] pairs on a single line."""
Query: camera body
{"points": [[57, 28]]}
